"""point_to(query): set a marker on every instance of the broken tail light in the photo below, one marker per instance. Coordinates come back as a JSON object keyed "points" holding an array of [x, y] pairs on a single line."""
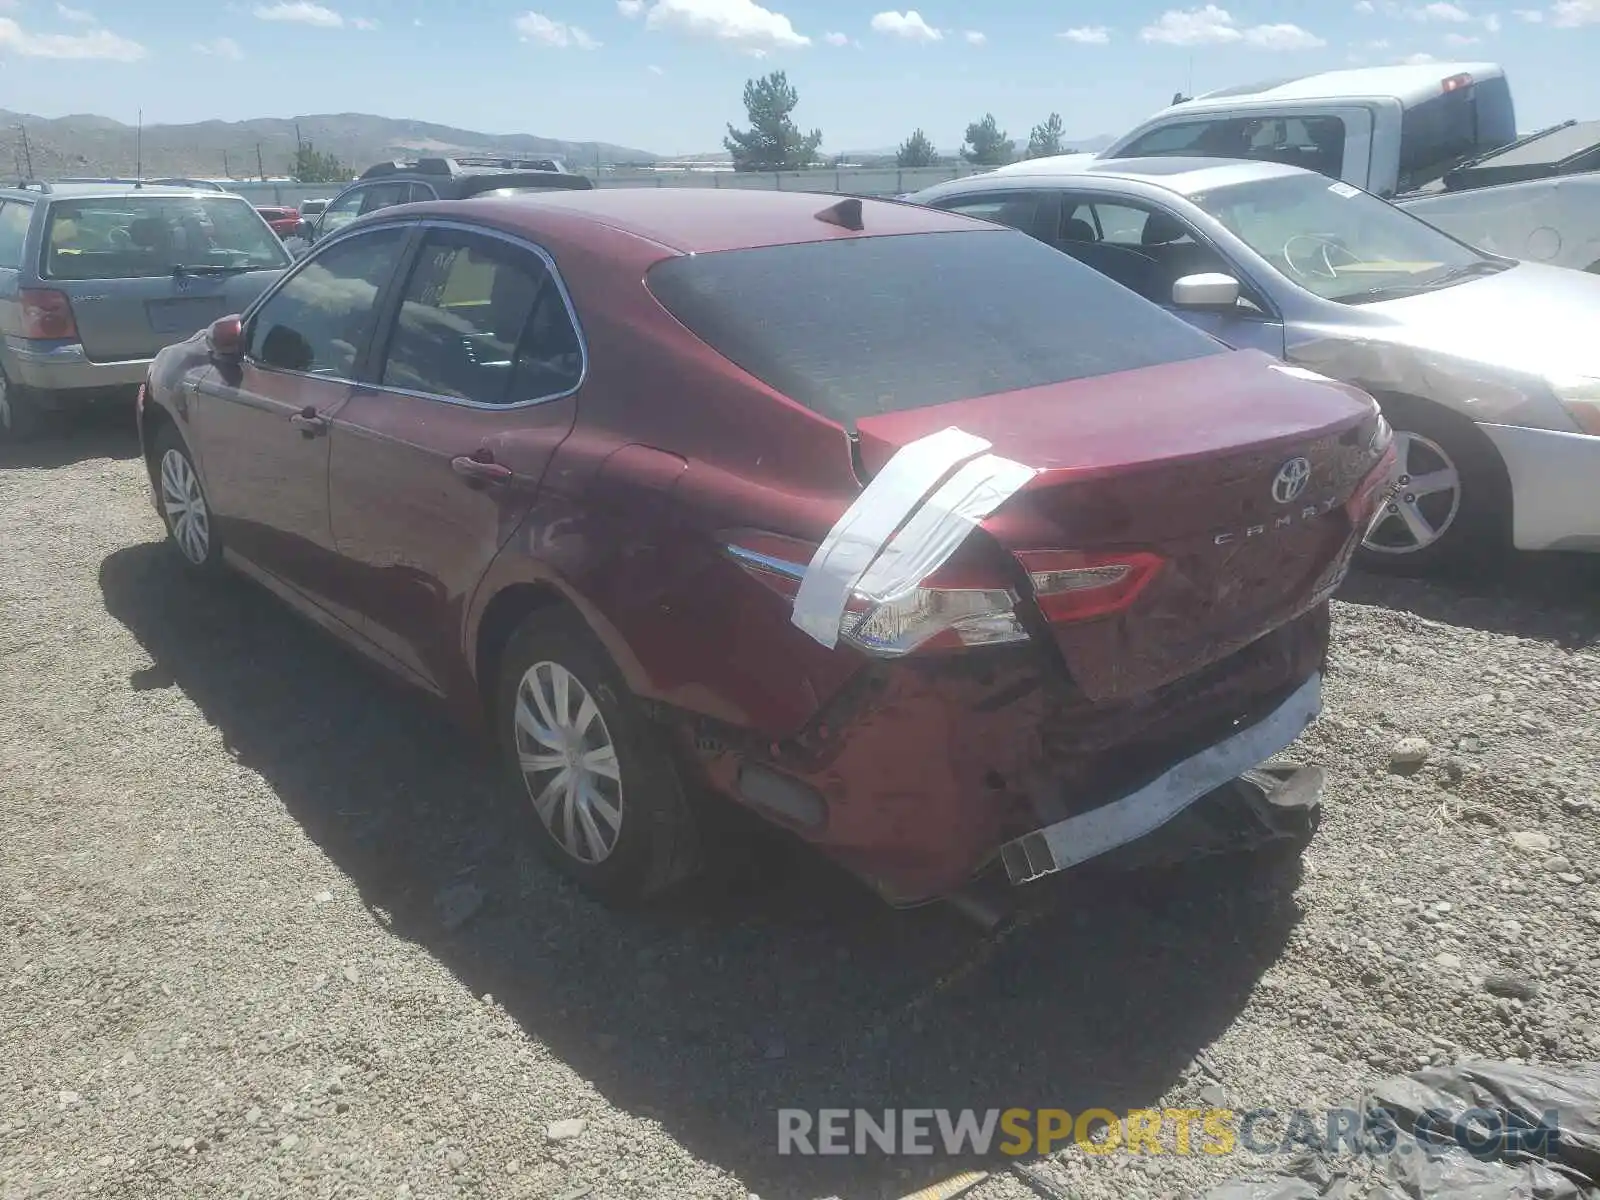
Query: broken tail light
{"points": [[952, 610], [47, 315], [1070, 586], [946, 611]]}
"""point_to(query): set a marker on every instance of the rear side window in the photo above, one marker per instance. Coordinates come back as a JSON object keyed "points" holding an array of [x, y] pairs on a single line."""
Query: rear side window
{"points": [[143, 237], [1442, 132], [1315, 143], [859, 326], [14, 220], [482, 321]]}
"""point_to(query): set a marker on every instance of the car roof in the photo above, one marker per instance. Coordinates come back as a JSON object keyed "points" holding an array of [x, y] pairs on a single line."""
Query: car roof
{"points": [[704, 220], [1408, 83], [1183, 175], [80, 191]]}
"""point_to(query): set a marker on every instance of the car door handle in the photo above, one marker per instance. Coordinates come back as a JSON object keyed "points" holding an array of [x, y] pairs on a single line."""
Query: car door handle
{"points": [[477, 469], [310, 422]]}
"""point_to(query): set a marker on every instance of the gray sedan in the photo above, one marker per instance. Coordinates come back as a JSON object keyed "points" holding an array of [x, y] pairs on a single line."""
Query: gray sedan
{"points": [[1488, 369]]}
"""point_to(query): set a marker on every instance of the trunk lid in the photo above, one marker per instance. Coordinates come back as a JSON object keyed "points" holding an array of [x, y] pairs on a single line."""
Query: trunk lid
{"points": [[1179, 461], [121, 319]]}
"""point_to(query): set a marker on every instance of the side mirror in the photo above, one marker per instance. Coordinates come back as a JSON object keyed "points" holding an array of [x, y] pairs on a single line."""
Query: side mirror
{"points": [[1210, 290], [226, 339]]}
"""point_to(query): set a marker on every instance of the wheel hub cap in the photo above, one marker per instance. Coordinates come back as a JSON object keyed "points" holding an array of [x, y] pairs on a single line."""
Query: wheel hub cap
{"points": [[1427, 503], [568, 762], [185, 507]]}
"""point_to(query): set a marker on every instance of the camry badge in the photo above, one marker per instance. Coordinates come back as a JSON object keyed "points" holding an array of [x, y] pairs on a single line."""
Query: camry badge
{"points": [[1291, 480]]}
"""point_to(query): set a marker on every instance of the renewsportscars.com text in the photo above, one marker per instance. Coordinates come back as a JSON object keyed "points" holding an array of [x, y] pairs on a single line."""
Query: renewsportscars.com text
{"points": [[1483, 1133]]}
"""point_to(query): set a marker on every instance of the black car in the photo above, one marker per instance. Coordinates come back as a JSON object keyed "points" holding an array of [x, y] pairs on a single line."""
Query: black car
{"points": [[413, 182]]}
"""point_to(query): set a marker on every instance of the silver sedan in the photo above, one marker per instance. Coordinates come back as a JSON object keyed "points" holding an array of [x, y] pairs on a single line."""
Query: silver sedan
{"points": [[1488, 369]]}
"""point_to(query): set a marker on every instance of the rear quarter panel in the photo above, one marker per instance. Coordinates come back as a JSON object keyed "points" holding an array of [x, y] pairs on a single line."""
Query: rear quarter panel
{"points": [[672, 446]]}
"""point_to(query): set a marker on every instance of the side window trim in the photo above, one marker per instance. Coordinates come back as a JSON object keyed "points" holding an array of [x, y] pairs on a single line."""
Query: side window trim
{"points": [[1258, 295], [390, 311], [365, 358]]}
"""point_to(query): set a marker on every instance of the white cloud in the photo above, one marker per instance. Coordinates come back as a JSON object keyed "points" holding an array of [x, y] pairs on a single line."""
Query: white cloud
{"points": [[76, 15], [1461, 39], [1569, 14], [654, 70], [97, 43], [1282, 37], [974, 38], [837, 39], [743, 24], [1441, 11], [1213, 26], [1088, 35], [536, 27], [1492, 22], [1531, 15], [630, 8], [222, 47], [1366, 7], [1418, 60], [363, 23], [908, 25], [300, 12], [1380, 44]]}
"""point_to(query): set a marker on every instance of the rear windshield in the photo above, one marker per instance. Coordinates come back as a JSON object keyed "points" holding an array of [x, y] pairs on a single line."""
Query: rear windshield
{"points": [[859, 326], [140, 237]]}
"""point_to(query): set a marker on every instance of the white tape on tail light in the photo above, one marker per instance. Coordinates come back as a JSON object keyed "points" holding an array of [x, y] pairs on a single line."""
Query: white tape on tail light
{"points": [[859, 535], [926, 542]]}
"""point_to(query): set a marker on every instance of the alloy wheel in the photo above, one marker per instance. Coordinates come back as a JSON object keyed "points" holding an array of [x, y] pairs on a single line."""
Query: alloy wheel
{"points": [[568, 762], [1427, 503], [184, 504]]}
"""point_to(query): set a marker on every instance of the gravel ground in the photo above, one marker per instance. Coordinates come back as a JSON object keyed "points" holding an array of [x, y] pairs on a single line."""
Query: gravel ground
{"points": [[263, 936]]}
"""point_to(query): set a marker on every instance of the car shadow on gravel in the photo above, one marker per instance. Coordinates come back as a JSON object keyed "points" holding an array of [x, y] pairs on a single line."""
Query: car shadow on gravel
{"points": [[108, 432], [1550, 597], [782, 985]]}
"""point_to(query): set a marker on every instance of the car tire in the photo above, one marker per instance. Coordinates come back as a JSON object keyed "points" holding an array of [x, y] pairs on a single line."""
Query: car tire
{"points": [[185, 508], [21, 419], [624, 836], [1470, 528]]}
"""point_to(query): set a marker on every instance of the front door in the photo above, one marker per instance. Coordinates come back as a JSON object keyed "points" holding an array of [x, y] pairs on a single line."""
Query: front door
{"points": [[262, 425], [437, 457]]}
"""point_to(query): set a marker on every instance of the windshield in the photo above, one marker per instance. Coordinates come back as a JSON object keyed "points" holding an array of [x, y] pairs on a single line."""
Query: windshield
{"points": [[141, 237], [1340, 242], [859, 326]]}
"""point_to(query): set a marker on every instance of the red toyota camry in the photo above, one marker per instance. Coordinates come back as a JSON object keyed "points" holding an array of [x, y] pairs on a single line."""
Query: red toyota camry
{"points": [[913, 535]]}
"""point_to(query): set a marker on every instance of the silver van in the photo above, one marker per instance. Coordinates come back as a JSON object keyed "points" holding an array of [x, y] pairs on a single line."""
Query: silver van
{"points": [[95, 278]]}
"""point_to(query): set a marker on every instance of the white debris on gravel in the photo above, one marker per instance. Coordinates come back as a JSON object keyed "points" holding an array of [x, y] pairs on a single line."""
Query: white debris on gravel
{"points": [[250, 898]]}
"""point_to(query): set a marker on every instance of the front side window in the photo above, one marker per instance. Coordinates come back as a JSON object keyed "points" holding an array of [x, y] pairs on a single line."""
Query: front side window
{"points": [[15, 217], [1339, 242], [860, 326], [1143, 248], [484, 321], [320, 320], [142, 237]]}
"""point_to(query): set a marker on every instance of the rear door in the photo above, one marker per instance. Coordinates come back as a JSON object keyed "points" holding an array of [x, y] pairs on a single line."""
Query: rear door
{"points": [[437, 455], [143, 272], [262, 425]]}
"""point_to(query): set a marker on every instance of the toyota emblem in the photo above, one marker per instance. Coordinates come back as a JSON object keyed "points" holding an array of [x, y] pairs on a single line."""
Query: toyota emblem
{"points": [[1291, 480]]}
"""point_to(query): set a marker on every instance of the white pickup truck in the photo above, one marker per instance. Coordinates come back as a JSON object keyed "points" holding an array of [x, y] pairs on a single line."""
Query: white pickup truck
{"points": [[1439, 140]]}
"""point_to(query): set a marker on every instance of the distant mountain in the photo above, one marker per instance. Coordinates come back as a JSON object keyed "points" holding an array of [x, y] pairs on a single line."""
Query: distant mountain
{"points": [[93, 145]]}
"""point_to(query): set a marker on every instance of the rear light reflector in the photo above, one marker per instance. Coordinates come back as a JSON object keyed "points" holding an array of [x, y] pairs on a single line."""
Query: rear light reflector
{"points": [[1455, 82], [1071, 586], [47, 315]]}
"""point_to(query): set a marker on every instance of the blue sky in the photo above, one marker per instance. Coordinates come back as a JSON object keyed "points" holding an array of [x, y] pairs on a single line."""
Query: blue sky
{"points": [[666, 75]]}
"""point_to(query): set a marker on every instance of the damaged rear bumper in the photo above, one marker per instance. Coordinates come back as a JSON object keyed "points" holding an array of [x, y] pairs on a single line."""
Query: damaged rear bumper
{"points": [[1141, 812]]}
